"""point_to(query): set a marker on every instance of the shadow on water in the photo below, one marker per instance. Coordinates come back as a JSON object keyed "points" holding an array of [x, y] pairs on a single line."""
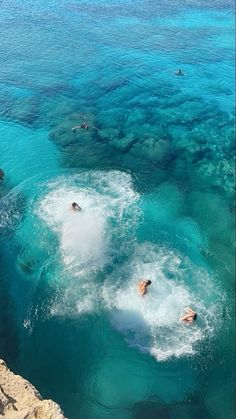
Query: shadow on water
{"points": [[9, 339], [12, 206], [192, 408]]}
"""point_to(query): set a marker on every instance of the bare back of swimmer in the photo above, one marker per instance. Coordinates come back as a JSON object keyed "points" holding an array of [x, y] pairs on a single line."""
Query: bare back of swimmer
{"points": [[189, 317], [142, 286]]}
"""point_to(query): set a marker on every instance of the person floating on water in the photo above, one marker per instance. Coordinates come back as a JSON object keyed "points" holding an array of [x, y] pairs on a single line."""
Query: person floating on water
{"points": [[142, 286], [189, 317], [179, 72], [75, 207], [84, 125]]}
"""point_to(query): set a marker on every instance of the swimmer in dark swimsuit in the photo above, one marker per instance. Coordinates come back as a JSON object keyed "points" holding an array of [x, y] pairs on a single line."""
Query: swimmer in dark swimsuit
{"points": [[75, 206], [85, 124], [189, 317], [179, 72], [142, 286]]}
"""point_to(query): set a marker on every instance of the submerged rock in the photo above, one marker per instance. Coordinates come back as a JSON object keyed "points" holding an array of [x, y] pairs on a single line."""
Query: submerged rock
{"points": [[26, 263], [190, 408], [108, 134], [19, 105], [219, 174], [124, 144], [20, 400], [152, 148]]}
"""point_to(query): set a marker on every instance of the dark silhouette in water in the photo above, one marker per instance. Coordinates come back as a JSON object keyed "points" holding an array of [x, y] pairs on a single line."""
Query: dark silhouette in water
{"points": [[75, 206], [2, 174], [84, 125], [192, 407], [179, 72]]}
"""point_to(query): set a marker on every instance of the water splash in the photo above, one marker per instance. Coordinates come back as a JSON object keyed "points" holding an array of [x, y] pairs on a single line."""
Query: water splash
{"points": [[151, 323]]}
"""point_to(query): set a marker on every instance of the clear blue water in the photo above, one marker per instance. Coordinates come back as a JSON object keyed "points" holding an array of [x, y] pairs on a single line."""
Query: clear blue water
{"points": [[156, 184]]}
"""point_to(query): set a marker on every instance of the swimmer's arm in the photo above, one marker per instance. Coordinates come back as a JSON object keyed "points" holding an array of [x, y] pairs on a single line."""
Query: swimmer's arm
{"points": [[189, 310], [184, 318], [75, 128]]}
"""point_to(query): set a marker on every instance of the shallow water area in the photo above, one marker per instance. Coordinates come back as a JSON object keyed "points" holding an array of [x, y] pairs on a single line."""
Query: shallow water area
{"points": [[154, 175]]}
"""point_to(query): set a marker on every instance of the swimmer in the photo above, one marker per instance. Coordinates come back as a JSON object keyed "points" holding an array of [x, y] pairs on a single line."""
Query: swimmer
{"points": [[2, 174], [189, 317], [75, 207], [84, 125], [142, 286], [179, 72]]}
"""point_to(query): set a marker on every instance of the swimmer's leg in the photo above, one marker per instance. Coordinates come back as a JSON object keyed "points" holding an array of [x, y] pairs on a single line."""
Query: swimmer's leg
{"points": [[82, 116], [189, 310], [74, 129]]}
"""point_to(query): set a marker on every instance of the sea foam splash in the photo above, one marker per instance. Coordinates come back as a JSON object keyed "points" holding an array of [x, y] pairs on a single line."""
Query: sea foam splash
{"points": [[85, 237], [151, 323], [91, 238]]}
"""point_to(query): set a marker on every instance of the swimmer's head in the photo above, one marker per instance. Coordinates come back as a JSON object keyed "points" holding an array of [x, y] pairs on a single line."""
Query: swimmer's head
{"points": [[195, 316], [179, 71], [148, 282], [75, 206]]}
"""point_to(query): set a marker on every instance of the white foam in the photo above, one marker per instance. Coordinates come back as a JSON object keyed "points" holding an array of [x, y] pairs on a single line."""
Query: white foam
{"points": [[88, 239], [151, 323], [85, 236]]}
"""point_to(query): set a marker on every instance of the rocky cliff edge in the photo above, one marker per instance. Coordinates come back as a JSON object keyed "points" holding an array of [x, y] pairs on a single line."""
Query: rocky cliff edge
{"points": [[20, 400]]}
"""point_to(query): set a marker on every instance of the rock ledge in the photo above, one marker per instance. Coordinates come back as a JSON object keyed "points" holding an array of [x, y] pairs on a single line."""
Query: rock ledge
{"points": [[20, 400]]}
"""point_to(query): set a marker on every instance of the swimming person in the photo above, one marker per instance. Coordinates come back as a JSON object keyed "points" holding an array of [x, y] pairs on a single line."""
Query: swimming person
{"points": [[84, 125], [179, 72], [75, 206], [142, 286], [189, 317]]}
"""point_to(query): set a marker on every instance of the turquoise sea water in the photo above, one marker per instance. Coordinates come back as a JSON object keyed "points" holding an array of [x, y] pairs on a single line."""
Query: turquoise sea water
{"points": [[156, 184]]}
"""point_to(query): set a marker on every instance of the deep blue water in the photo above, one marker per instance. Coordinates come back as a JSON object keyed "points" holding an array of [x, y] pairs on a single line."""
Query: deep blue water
{"points": [[156, 185]]}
